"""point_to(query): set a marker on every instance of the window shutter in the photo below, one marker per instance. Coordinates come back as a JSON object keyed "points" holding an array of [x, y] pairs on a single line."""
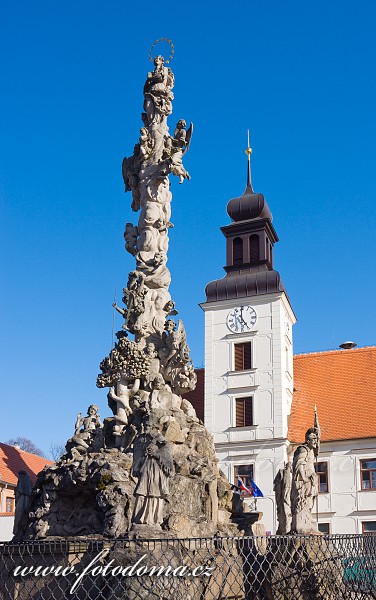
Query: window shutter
{"points": [[248, 412], [247, 356], [243, 356], [240, 412], [244, 411], [239, 357]]}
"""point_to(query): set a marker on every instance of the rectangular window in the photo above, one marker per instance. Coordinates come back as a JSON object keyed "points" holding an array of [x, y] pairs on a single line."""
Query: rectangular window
{"points": [[368, 474], [9, 505], [243, 356], [369, 526], [243, 411], [324, 527], [245, 473], [322, 475]]}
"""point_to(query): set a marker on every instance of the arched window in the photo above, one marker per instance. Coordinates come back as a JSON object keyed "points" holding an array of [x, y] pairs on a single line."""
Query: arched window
{"points": [[254, 248], [237, 251]]}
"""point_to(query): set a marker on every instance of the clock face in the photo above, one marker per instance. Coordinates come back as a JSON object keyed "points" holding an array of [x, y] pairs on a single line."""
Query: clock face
{"points": [[241, 319]]}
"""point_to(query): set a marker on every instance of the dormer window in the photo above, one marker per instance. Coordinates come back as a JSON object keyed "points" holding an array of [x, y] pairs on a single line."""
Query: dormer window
{"points": [[237, 251]]}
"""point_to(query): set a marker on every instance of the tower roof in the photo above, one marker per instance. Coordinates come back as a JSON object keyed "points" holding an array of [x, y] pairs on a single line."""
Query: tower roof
{"points": [[248, 206], [249, 248]]}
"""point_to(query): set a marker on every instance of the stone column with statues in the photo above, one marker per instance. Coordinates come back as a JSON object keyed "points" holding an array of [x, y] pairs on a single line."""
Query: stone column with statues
{"points": [[151, 467]]}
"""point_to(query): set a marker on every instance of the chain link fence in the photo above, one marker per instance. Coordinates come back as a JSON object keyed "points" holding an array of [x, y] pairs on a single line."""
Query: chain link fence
{"points": [[272, 567]]}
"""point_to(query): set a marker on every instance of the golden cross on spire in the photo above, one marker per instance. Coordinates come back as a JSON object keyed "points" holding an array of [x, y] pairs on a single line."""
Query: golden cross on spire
{"points": [[248, 153]]}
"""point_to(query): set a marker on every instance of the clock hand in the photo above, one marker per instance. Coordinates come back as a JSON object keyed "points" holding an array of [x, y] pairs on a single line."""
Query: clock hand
{"points": [[241, 317]]}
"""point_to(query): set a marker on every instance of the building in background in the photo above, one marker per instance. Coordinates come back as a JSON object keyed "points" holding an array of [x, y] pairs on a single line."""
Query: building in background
{"points": [[258, 400], [13, 460]]}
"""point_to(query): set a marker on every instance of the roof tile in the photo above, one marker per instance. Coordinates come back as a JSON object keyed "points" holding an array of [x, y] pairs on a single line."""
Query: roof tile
{"points": [[13, 460], [342, 383]]}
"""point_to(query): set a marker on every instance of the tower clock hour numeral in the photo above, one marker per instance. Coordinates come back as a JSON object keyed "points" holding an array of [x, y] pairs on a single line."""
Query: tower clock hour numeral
{"points": [[241, 319]]}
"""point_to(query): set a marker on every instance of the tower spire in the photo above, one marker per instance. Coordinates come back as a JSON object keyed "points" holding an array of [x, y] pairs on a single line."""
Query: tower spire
{"points": [[249, 175]]}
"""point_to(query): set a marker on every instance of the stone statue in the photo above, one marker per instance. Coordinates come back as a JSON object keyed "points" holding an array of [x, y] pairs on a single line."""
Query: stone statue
{"points": [[134, 299], [89, 423], [119, 403], [304, 487], [146, 143], [153, 468], [162, 397], [86, 430], [130, 237], [177, 147], [183, 379], [22, 494], [175, 350], [282, 489], [155, 364]]}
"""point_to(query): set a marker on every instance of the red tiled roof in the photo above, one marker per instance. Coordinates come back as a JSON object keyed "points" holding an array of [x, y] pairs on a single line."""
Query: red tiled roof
{"points": [[196, 398], [342, 383], [13, 460]]}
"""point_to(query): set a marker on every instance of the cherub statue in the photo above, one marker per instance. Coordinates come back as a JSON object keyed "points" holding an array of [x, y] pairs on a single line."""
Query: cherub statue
{"points": [[119, 403], [86, 429], [130, 236], [89, 423], [152, 353], [169, 308], [146, 143]]}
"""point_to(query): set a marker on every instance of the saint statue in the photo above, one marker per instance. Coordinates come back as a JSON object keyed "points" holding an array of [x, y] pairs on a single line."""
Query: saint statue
{"points": [[282, 489], [153, 467], [23, 492], [304, 487]]}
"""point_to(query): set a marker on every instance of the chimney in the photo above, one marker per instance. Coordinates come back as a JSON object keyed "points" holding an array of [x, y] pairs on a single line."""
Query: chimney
{"points": [[347, 345]]}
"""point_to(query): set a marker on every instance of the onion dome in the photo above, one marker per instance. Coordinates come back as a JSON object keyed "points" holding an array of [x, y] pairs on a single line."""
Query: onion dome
{"points": [[248, 206]]}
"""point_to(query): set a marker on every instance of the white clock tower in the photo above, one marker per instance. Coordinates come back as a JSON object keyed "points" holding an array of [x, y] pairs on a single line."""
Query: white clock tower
{"points": [[248, 353]]}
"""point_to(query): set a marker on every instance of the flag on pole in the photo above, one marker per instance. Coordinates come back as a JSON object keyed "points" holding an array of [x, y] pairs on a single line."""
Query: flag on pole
{"points": [[252, 490], [240, 485], [256, 492]]}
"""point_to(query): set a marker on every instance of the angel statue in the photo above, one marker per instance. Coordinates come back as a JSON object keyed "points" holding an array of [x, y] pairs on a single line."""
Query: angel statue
{"points": [[134, 299], [176, 147], [175, 350]]}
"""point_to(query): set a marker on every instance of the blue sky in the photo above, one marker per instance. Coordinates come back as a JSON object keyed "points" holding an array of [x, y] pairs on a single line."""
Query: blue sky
{"points": [[300, 75]]}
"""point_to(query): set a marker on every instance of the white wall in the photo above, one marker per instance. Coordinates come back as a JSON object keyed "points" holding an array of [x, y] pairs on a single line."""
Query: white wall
{"points": [[346, 505], [270, 382], [6, 528]]}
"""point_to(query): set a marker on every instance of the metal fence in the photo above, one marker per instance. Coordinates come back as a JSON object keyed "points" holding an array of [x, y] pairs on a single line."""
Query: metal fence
{"points": [[272, 567]]}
